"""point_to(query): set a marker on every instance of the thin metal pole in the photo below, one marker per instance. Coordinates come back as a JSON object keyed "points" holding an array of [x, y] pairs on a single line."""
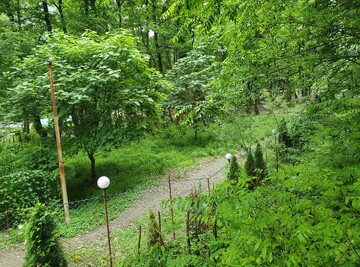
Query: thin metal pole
{"points": [[107, 227], [59, 150]]}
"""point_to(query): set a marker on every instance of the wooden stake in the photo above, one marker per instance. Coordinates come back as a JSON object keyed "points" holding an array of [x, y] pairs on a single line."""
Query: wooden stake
{"points": [[139, 240], [187, 230], [171, 209], [208, 185], [159, 219], [58, 144]]}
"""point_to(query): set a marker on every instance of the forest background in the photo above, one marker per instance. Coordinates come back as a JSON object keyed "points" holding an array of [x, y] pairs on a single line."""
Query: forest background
{"points": [[129, 71]]}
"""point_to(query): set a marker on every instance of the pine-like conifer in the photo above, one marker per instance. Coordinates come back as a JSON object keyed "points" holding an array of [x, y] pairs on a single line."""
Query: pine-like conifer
{"points": [[250, 165], [43, 247], [260, 165], [233, 170]]}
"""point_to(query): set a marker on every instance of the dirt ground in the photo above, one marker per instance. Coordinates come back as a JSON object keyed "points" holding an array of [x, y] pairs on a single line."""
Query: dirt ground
{"points": [[150, 199]]}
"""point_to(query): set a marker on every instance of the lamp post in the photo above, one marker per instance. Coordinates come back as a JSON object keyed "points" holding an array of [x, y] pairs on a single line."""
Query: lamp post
{"points": [[103, 182], [228, 157]]}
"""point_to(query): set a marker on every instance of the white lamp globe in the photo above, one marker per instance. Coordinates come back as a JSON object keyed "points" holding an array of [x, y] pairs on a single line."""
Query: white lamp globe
{"points": [[103, 182], [228, 156]]}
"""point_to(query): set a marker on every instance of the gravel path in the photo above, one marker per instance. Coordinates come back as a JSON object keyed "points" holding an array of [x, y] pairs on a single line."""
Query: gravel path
{"points": [[150, 199]]}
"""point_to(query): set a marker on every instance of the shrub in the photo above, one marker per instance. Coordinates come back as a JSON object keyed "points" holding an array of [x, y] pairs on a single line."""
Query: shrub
{"points": [[23, 189]]}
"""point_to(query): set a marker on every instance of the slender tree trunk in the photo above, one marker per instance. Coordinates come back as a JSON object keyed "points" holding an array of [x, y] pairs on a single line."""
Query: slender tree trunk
{"points": [[287, 88], [9, 11], [18, 13], [248, 100], [38, 126], [119, 4], [158, 52], [168, 59], [196, 134], [47, 16], [170, 115], [93, 5], [92, 166], [26, 127], [60, 9], [256, 105], [86, 7], [156, 39]]}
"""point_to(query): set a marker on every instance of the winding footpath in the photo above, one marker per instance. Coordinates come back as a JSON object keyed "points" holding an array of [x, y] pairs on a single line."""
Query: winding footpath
{"points": [[151, 199]]}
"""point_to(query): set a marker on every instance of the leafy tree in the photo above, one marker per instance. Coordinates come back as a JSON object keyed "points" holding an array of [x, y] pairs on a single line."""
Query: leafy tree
{"points": [[191, 76], [283, 47], [42, 246], [106, 94]]}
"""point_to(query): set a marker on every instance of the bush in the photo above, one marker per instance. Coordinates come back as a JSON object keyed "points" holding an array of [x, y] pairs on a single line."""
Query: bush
{"points": [[23, 189]]}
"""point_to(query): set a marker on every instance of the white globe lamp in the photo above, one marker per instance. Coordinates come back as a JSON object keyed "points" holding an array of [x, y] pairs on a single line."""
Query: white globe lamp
{"points": [[103, 182]]}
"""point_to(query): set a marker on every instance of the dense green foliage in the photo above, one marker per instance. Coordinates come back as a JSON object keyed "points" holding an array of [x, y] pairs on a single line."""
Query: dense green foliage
{"points": [[22, 190], [214, 60], [42, 246], [304, 215]]}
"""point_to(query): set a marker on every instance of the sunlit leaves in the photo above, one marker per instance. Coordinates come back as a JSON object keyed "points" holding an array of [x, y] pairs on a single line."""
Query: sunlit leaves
{"points": [[104, 88]]}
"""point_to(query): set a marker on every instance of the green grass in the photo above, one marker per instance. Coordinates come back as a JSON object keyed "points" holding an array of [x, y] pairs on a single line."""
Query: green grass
{"points": [[139, 164]]}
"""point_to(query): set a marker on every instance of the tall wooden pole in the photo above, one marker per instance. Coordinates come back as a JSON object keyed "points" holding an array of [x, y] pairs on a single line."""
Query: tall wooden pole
{"points": [[58, 144], [171, 209]]}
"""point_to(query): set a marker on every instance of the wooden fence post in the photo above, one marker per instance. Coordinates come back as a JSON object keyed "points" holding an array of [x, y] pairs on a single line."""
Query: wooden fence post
{"points": [[208, 185], [171, 209], [139, 240]]}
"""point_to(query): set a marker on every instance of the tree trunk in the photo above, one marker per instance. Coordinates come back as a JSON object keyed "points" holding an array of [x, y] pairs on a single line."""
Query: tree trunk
{"points": [[119, 4], [60, 9], [47, 16], [9, 11], [248, 99], [26, 130], [196, 134], [287, 88], [86, 7], [18, 13], [26, 127], [256, 105], [158, 52], [156, 39], [92, 166], [93, 5], [38, 127]]}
